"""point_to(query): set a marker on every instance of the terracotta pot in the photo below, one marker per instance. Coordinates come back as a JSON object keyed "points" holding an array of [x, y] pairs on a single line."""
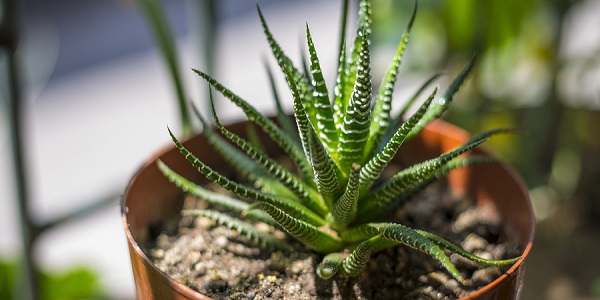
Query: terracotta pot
{"points": [[151, 199]]}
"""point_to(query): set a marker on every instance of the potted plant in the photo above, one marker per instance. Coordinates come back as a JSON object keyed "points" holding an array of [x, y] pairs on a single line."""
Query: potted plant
{"points": [[326, 194]]}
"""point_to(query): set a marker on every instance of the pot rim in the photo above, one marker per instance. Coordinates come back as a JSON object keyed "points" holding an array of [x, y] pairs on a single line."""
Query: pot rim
{"points": [[437, 125]]}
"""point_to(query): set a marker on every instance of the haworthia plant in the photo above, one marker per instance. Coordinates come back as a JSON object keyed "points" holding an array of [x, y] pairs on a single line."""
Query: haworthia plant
{"points": [[333, 200]]}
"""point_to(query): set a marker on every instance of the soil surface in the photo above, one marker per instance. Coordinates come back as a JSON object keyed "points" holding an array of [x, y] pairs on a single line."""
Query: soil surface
{"points": [[221, 264]]}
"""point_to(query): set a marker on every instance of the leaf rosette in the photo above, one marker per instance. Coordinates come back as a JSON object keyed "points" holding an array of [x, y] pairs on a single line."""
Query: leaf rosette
{"points": [[332, 200]]}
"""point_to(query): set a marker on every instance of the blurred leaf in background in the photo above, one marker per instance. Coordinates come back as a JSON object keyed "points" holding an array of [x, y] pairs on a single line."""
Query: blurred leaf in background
{"points": [[75, 283], [596, 287], [7, 279]]}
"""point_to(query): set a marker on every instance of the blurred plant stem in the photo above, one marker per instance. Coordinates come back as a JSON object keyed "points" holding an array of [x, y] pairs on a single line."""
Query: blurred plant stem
{"points": [[27, 288], [162, 33]]}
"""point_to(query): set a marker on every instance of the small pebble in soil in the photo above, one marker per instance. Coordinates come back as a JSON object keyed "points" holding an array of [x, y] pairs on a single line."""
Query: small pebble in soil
{"points": [[162, 241], [193, 257], [220, 241], [474, 242], [157, 253], [485, 275]]}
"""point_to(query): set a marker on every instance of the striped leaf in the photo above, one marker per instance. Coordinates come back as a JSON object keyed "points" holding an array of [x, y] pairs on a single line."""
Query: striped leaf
{"points": [[188, 186], [339, 107], [325, 170], [330, 265], [291, 207], [459, 162], [261, 238], [232, 204], [441, 104], [309, 197], [305, 64], [285, 141], [411, 176], [344, 210], [383, 101], [283, 119], [406, 236], [370, 214], [355, 130], [357, 260], [300, 80], [307, 233], [323, 112], [302, 119], [375, 165], [339, 101], [396, 121], [353, 64], [242, 164], [460, 251]]}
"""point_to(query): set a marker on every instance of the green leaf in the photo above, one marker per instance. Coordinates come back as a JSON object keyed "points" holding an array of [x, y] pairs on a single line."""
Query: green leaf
{"points": [[304, 87], [343, 26], [396, 121], [339, 106], [441, 104], [460, 251], [373, 168], [308, 234], [291, 207], [357, 260], [260, 238], [489, 133], [302, 119], [383, 102], [188, 186], [406, 236], [308, 196], [76, 283], [339, 101], [412, 176], [242, 164], [232, 204], [329, 265], [325, 128], [352, 65], [355, 130], [252, 137], [325, 170], [283, 119], [369, 215], [305, 67], [344, 210], [285, 141], [164, 39]]}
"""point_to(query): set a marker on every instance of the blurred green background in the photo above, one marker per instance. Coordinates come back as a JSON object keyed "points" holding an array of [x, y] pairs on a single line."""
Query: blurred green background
{"points": [[538, 70]]}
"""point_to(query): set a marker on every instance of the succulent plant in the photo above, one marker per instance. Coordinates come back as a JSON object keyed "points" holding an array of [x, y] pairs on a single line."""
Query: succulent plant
{"points": [[334, 199]]}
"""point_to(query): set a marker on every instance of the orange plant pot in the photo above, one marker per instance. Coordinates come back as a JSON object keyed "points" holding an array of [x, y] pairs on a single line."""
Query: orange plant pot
{"points": [[151, 199]]}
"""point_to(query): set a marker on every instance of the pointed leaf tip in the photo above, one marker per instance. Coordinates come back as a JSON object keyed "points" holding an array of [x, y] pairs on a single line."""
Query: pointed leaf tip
{"points": [[412, 17]]}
